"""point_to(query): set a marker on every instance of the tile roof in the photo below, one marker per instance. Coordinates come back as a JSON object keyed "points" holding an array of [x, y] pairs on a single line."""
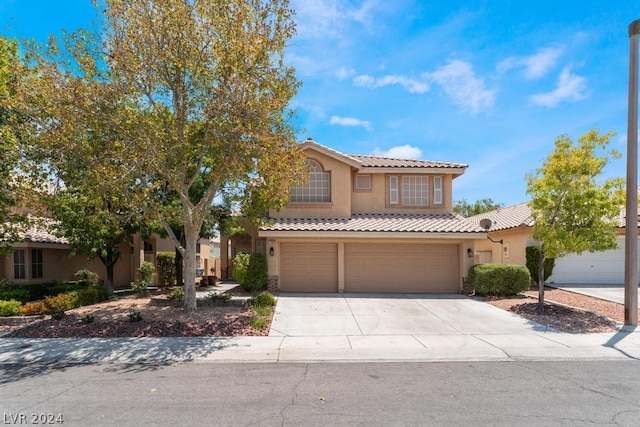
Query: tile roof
{"points": [[386, 162], [40, 232], [418, 223], [505, 218]]}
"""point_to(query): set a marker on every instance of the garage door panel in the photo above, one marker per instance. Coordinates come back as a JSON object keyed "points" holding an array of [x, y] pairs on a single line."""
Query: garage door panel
{"points": [[309, 267], [402, 268]]}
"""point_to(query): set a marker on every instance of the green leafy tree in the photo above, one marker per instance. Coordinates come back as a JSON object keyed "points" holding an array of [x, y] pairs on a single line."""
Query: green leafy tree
{"points": [[466, 209], [574, 212]]}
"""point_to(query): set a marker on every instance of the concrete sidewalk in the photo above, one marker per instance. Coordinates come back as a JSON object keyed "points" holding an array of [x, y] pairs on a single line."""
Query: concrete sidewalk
{"points": [[614, 293]]}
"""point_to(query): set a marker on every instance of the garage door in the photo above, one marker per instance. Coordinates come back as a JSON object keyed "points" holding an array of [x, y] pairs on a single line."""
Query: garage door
{"points": [[309, 267], [402, 268]]}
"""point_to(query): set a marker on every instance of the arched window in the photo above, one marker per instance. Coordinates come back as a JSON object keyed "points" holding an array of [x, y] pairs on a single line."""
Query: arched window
{"points": [[317, 188]]}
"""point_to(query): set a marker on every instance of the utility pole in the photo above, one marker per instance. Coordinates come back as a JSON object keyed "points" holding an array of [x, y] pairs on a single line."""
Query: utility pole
{"points": [[631, 221]]}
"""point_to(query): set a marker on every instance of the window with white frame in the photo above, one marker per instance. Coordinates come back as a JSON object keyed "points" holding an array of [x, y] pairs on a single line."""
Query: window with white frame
{"points": [[437, 190], [415, 191], [363, 182], [37, 271], [19, 264], [393, 190], [317, 188]]}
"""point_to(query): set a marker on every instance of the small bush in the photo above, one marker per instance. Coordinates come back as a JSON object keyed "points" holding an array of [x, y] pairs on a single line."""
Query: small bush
{"points": [[263, 311], [34, 308], [263, 299], [145, 272], [87, 276], [87, 319], [166, 268], [218, 297], [258, 322], [136, 316], [499, 279], [10, 308], [57, 314], [140, 287], [92, 295], [63, 302], [176, 294], [250, 270], [533, 258], [17, 294]]}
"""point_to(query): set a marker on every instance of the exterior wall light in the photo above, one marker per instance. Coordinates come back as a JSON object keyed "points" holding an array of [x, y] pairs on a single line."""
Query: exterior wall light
{"points": [[470, 253]]}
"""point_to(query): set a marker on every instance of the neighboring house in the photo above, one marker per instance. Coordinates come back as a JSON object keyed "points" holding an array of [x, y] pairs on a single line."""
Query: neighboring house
{"points": [[42, 257], [512, 231], [366, 224]]}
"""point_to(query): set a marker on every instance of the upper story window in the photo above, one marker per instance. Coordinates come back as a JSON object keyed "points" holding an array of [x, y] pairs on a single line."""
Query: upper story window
{"points": [[414, 191], [317, 188]]}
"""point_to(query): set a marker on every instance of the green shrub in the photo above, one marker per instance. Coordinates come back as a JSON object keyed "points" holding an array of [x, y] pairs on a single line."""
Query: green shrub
{"points": [[145, 272], [258, 322], [136, 316], [176, 294], [17, 294], [533, 258], [250, 271], [166, 268], [34, 308], [140, 287], [218, 297], [86, 276], [263, 299], [70, 286], [10, 308], [87, 319], [63, 302], [499, 279], [57, 313], [263, 311], [92, 295]]}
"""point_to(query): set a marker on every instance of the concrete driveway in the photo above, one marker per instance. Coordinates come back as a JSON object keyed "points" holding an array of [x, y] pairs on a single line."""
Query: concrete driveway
{"points": [[613, 293], [308, 315]]}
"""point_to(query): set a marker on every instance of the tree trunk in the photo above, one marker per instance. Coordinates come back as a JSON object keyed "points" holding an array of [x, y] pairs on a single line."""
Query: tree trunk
{"points": [[178, 267], [191, 238], [110, 269], [541, 261]]}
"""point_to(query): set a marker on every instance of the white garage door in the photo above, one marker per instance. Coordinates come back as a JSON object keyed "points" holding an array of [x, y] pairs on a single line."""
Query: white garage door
{"points": [[402, 268], [604, 268], [309, 267]]}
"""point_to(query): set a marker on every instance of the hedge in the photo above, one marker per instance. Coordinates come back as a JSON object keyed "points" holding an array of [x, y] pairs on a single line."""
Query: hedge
{"points": [[250, 271], [499, 279]]}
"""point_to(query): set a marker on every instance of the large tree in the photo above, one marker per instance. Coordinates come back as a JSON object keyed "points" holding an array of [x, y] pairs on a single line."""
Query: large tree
{"points": [[573, 208], [197, 93]]}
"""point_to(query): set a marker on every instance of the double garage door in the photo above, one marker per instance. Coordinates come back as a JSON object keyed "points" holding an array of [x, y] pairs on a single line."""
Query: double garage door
{"points": [[371, 268]]}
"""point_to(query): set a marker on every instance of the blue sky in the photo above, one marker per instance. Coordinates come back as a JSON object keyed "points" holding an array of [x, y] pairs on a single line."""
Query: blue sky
{"points": [[489, 83]]}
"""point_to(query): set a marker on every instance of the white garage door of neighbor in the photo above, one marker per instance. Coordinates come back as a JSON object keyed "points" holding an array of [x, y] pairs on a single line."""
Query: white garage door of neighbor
{"points": [[591, 268], [309, 267], [402, 268]]}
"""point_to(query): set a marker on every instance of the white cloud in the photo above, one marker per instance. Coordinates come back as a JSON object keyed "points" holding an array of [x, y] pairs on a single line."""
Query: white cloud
{"points": [[465, 89], [400, 152], [536, 65], [349, 121], [329, 18], [344, 73], [410, 84], [570, 87]]}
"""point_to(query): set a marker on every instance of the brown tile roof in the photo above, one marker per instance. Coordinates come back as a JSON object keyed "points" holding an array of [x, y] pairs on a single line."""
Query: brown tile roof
{"points": [[505, 218], [385, 162], [40, 232], [419, 223]]}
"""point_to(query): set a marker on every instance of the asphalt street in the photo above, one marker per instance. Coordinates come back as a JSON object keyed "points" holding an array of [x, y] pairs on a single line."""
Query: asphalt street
{"points": [[575, 393]]}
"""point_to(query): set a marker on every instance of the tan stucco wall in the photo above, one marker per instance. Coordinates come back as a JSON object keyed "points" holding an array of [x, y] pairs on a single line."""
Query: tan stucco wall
{"points": [[511, 251], [340, 205], [376, 200]]}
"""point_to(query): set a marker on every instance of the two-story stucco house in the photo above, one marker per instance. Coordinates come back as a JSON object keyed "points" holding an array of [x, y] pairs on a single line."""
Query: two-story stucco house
{"points": [[368, 224]]}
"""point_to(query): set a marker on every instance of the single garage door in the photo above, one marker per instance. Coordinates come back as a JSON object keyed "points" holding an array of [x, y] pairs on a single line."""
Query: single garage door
{"points": [[307, 267], [402, 268]]}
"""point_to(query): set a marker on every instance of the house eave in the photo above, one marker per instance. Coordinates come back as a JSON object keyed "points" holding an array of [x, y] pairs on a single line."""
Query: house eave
{"points": [[372, 235], [410, 170]]}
